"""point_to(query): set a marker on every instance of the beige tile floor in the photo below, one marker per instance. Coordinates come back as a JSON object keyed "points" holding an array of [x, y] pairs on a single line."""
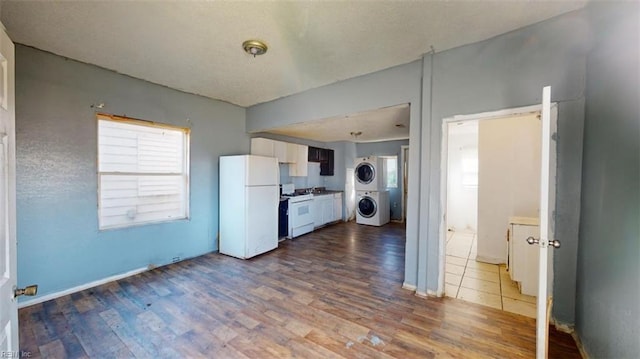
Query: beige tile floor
{"points": [[481, 283]]}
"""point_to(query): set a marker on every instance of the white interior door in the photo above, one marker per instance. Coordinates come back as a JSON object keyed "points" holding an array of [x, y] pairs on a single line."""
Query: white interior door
{"points": [[546, 239], [8, 304]]}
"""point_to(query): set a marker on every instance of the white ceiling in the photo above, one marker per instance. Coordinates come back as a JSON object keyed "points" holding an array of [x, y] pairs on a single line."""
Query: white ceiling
{"points": [[195, 46], [385, 124]]}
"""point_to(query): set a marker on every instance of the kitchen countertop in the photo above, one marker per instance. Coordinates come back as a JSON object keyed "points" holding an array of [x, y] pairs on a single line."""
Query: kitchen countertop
{"points": [[318, 191], [327, 191]]}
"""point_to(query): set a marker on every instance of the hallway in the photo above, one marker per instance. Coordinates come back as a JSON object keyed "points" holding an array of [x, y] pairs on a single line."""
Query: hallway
{"points": [[481, 283]]}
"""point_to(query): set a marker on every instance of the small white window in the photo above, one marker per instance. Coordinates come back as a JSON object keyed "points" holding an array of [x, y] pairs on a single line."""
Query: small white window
{"points": [[143, 172], [470, 168], [391, 171]]}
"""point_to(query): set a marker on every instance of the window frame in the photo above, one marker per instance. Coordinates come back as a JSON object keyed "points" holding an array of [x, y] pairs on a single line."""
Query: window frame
{"points": [[467, 174], [186, 165], [385, 159]]}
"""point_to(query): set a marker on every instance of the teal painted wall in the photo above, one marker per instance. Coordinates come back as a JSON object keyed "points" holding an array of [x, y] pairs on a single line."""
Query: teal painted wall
{"points": [[510, 71], [608, 296], [59, 245], [506, 71]]}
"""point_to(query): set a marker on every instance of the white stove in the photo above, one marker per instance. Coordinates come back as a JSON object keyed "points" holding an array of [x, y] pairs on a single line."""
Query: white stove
{"points": [[300, 211], [295, 198]]}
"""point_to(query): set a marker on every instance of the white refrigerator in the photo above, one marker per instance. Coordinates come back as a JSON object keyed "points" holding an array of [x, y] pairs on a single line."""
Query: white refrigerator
{"points": [[249, 198]]}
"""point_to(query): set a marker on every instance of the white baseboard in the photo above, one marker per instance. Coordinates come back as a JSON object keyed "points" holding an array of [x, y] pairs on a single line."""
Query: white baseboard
{"points": [[562, 327], [570, 329], [413, 288], [410, 287], [96, 283], [433, 293], [581, 349]]}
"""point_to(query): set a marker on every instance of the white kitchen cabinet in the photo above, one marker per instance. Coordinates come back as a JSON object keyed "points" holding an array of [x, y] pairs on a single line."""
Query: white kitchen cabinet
{"points": [[523, 257], [285, 151], [337, 206], [299, 168], [323, 209], [292, 153], [317, 211], [280, 151], [327, 210], [262, 147]]}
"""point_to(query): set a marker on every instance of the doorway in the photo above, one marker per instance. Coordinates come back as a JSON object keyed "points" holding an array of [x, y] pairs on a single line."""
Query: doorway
{"points": [[404, 161], [490, 186]]}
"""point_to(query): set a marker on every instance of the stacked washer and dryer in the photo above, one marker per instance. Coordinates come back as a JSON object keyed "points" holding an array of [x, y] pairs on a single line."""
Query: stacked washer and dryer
{"points": [[373, 206]]}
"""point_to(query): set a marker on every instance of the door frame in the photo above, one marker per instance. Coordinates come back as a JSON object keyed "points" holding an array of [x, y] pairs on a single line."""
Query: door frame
{"points": [[8, 301], [444, 155], [404, 152]]}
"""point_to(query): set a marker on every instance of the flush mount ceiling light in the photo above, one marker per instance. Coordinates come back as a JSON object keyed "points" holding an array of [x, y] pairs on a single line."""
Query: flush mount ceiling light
{"points": [[254, 47]]}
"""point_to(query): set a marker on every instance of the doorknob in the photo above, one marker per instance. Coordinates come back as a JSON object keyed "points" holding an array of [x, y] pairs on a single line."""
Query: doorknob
{"points": [[28, 291], [554, 243]]}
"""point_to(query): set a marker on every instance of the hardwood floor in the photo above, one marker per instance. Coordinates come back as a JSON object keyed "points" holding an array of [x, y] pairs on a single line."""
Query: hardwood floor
{"points": [[333, 293]]}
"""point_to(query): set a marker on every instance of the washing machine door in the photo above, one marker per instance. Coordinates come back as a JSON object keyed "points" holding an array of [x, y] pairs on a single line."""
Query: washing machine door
{"points": [[367, 207], [365, 173]]}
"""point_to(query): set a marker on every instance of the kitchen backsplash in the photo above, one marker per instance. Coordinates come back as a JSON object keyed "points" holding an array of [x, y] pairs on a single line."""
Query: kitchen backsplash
{"points": [[313, 179]]}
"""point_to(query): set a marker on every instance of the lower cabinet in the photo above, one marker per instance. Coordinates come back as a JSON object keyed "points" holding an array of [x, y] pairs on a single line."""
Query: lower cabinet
{"points": [[337, 206], [327, 208], [317, 212], [523, 258]]}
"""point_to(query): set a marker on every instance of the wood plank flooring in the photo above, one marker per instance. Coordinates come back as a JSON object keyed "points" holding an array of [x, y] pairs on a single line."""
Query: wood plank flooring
{"points": [[334, 293]]}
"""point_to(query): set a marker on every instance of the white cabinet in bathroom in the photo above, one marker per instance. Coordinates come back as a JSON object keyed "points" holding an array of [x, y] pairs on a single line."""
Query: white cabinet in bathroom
{"points": [[523, 257]]}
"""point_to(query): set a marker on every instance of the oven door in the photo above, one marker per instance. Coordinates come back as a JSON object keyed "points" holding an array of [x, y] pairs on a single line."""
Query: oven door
{"points": [[301, 213]]}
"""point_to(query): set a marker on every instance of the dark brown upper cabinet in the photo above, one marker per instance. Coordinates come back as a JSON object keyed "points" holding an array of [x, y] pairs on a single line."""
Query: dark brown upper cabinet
{"points": [[313, 154], [326, 167], [324, 156]]}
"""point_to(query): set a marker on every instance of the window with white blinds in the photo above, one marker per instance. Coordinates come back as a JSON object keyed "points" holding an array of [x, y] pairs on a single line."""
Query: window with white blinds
{"points": [[143, 172]]}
